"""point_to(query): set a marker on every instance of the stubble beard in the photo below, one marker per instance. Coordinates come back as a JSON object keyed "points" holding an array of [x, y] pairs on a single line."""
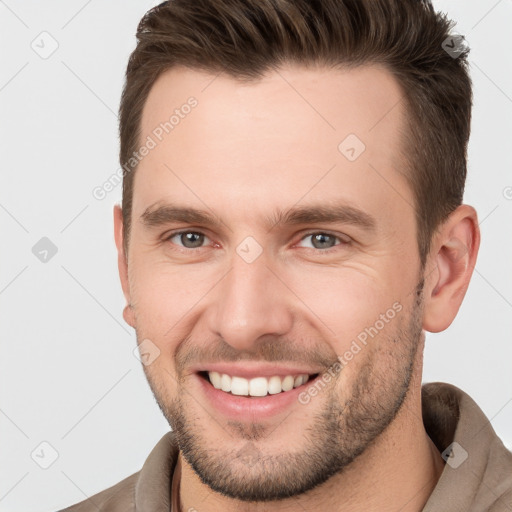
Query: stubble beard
{"points": [[347, 424]]}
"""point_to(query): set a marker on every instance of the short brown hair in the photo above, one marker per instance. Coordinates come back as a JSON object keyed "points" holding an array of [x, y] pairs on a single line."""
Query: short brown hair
{"points": [[246, 38]]}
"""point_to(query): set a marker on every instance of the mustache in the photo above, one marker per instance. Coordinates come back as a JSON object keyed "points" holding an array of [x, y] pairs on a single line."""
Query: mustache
{"points": [[269, 349]]}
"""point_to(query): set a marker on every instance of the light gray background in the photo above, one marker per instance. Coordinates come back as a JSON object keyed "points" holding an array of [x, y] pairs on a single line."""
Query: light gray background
{"points": [[67, 369]]}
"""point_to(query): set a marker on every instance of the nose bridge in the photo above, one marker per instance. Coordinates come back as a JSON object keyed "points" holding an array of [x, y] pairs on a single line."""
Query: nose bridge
{"points": [[250, 302]]}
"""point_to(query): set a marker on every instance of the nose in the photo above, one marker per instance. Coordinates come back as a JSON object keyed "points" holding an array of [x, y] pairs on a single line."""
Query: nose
{"points": [[250, 302]]}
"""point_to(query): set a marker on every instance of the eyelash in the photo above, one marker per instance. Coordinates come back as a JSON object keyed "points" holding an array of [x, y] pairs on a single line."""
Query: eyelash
{"points": [[306, 235]]}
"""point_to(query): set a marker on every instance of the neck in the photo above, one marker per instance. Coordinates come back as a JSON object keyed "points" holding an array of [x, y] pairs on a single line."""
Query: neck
{"points": [[397, 472]]}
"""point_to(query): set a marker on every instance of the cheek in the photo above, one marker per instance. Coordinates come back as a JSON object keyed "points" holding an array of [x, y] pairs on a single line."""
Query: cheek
{"points": [[358, 309], [166, 295], [344, 300]]}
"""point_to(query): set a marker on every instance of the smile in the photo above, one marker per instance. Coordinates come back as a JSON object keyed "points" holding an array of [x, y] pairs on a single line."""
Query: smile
{"points": [[257, 386]]}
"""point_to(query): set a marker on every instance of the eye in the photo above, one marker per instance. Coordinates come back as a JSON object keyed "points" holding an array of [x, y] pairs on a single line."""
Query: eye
{"points": [[187, 239], [323, 241]]}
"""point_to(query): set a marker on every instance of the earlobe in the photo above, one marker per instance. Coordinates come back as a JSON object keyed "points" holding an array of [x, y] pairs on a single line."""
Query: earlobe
{"points": [[122, 264], [128, 315], [454, 253]]}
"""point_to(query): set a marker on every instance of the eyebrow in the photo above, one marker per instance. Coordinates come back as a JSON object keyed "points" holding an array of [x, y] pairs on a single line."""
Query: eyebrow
{"points": [[156, 216]]}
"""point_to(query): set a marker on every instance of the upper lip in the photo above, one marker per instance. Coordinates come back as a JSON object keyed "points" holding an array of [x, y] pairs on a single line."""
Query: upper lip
{"points": [[249, 371]]}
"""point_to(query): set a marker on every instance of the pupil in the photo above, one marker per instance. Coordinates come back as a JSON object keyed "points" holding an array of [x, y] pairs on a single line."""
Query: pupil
{"points": [[191, 240], [322, 238]]}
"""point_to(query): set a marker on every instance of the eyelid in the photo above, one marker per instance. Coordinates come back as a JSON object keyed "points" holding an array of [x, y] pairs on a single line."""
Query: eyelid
{"points": [[167, 236], [342, 237]]}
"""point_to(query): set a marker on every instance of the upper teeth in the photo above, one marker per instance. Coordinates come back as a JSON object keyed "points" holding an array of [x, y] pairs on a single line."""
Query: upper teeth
{"points": [[259, 386]]}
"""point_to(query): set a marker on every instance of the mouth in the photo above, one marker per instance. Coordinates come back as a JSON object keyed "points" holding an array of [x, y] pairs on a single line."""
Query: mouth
{"points": [[254, 392], [255, 387]]}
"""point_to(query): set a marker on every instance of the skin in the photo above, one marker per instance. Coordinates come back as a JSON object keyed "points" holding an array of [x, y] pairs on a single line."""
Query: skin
{"points": [[243, 152]]}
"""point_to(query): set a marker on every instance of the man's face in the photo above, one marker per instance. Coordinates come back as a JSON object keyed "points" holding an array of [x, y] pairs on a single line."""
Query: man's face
{"points": [[266, 289]]}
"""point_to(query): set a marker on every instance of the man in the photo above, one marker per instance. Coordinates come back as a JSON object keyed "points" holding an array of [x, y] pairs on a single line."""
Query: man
{"points": [[292, 224]]}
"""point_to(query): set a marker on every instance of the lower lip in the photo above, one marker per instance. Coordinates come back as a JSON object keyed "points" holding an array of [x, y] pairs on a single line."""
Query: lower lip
{"points": [[251, 408]]}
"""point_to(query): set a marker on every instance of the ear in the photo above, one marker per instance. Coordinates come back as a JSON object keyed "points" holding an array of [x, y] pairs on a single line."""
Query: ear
{"points": [[452, 260], [122, 264]]}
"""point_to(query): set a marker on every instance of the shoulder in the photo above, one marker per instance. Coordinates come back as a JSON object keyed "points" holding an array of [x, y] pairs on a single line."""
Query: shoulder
{"points": [[478, 473], [503, 503], [147, 489], [497, 478], [117, 498]]}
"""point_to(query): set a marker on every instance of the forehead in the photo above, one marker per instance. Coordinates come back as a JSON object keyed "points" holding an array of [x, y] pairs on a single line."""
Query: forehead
{"points": [[295, 134]]}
